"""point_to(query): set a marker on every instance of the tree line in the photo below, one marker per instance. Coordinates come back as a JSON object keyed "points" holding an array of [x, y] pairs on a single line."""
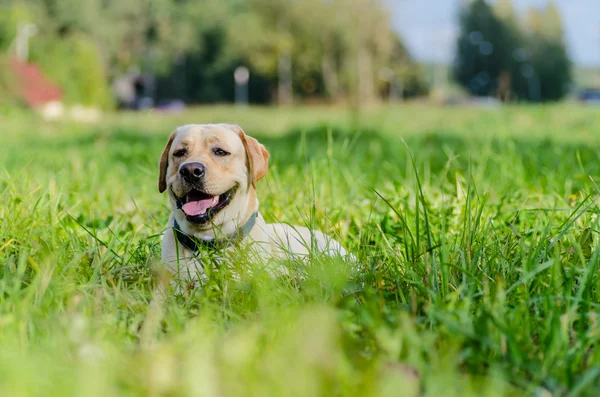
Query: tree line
{"points": [[325, 50], [334, 50]]}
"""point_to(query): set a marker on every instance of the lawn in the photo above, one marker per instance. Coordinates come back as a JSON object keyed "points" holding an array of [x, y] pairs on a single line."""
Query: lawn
{"points": [[477, 231]]}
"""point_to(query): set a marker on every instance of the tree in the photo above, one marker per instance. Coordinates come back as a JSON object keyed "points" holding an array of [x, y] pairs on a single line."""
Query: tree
{"points": [[262, 34], [549, 69], [336, 47], [498, 56], [83, 77], [511, 81], [485, 49], [407, 78]]}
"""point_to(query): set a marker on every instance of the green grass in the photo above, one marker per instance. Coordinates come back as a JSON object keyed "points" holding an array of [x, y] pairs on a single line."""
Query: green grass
{"points": [[478, 232]]}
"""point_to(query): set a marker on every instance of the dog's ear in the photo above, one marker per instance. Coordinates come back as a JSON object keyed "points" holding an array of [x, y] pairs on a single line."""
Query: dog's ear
{"points": [[257, 154], [164, 163]]}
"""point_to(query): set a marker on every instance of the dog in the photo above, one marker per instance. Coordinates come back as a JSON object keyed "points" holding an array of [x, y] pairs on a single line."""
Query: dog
{"points": [[210, 173]]}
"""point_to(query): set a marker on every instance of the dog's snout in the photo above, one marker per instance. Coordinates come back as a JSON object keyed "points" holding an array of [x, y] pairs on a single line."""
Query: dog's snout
{"points": [[192, 171]]}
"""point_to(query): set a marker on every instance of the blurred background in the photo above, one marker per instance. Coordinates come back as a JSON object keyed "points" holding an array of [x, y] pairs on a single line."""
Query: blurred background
{"points": [[86, 57]]}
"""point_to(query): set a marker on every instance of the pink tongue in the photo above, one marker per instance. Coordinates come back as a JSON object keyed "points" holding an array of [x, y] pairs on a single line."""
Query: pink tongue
{"points": [[194, 208]]}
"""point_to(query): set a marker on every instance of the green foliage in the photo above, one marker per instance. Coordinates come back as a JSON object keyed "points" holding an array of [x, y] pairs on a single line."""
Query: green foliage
{"points": [[485, 49], [194, 47], [497, 55], [548, 54], [8, 87], [552, 68], [71, 60], [479, 253], [323, 41], [407, 72], [75, 64], [10, 16]]}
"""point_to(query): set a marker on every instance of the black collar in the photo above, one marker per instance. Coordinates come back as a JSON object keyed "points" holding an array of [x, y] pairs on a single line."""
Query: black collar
{"points": [[195, 244]]}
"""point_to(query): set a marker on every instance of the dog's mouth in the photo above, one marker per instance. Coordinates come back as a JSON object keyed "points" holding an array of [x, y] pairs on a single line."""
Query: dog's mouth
{"points": [[200, 207]]}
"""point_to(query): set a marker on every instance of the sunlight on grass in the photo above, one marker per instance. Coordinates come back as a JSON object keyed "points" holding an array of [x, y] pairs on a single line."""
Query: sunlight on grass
{"points": [[479, 259]]}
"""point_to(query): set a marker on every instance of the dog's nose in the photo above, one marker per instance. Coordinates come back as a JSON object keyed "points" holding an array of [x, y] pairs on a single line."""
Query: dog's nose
{"points": [[192, 172]]}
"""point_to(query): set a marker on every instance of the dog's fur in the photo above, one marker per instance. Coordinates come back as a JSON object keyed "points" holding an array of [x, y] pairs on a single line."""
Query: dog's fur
{"points": [[243, 166]]}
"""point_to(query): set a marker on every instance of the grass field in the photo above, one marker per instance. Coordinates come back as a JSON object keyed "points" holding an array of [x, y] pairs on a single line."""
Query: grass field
{"points": [[478, 232]]}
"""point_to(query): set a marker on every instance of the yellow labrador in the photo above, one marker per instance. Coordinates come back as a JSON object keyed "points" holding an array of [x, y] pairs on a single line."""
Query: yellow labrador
{"points": [[210, 173]]}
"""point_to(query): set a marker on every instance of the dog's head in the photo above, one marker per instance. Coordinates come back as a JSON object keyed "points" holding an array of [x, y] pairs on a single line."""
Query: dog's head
{"points": [[210, 171]]}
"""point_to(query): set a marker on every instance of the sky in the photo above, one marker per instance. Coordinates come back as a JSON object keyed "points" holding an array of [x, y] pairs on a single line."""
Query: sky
{"points": [[429, 27]]}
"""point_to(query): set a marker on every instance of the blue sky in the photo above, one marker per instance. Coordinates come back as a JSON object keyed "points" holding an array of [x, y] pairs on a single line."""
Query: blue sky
{"points": [[429, 27]]}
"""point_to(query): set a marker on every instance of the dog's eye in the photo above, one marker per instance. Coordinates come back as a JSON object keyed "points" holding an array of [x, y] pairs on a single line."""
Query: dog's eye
{"points": [[180, 153], [220, 152]]}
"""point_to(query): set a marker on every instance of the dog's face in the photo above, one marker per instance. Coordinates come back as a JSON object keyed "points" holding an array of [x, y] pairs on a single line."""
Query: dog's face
{"points": [[209, 171]]}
